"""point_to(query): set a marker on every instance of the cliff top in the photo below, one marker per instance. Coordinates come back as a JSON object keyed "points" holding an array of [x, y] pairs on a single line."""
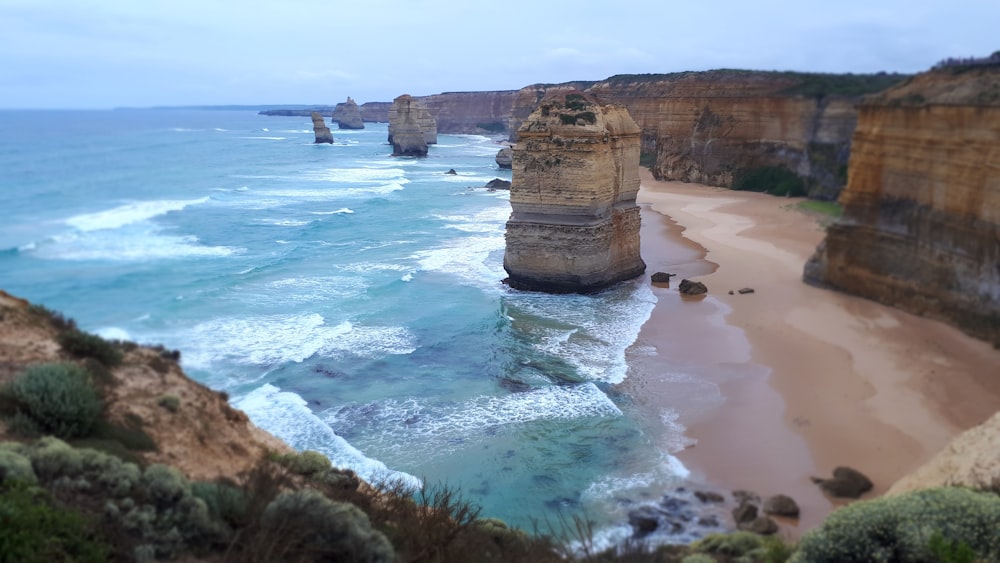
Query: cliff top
{"points": [[771, 83], [977, 85]]}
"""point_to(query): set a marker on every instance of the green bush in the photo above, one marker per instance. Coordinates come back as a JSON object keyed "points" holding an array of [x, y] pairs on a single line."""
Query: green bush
{"points": [[15, 466], [85, 345], [306, 463], [170, 402], [775, 180], [59, 397], [900, 528], [225, 502], [33, 530], [306, 521], [735, 544]]}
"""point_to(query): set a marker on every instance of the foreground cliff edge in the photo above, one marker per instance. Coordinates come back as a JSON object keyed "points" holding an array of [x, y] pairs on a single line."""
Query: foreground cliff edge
{"points": [[921, 223]]}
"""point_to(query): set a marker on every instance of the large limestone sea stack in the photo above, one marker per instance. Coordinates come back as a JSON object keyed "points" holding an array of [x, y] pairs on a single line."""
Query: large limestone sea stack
{"points": [[348, 115], [921, 222], [411, 127], [574, 225], [323, 134]]}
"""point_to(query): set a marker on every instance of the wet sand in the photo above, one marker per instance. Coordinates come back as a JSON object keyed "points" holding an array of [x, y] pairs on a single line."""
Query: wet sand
{"points": [[791, 380]]}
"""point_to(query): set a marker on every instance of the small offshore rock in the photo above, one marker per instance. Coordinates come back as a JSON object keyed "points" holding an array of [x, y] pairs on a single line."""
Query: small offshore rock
{"points": [[781, 505], [688, 287], [661, 277], [745, 513], [745, 290], [730, 292], [742, 496], [451, 171], [707, 497], [644, 521], [498, 184], [846, 483], [760, 525], [505, 158]]}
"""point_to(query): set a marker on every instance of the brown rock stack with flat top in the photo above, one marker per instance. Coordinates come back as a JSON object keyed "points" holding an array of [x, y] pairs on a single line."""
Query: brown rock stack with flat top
{"points": [[348, 115], [921, 222], [323, 134], [575, 224], [406, 107], [405, 133]]}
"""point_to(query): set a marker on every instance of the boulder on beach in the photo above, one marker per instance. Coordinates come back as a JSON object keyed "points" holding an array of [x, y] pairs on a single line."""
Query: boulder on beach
{"points": [[661, 277], [846, 483], [781, 505], [688, 287]]}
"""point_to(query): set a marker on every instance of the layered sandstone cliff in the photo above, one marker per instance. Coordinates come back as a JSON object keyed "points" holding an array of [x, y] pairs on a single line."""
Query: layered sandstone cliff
{"points": [[574, 225], [718, 126], [348, 115], [407, 136], [921, 222], [322, 132], [406, 111]]}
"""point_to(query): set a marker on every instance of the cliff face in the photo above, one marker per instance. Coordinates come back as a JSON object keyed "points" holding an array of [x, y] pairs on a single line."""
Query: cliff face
{"points": [[406, 109], [377, 112], [348, 115], [575, 224], [470, 112], [406, 135], [921, 222], [323, 134], [712, 127]]}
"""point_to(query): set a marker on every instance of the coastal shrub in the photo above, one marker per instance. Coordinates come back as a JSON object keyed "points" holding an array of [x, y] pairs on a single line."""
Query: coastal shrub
{"points": [[224, 501], [647, 159], [32, 530], [698, 558], [735, 544], [305, 521], [59, 397], [164, 485], [54, 318], [86, 345], [170, 402], [950, 551], [775, 180], [576, 102], [900, 528], [15, 467], [307, 463]]}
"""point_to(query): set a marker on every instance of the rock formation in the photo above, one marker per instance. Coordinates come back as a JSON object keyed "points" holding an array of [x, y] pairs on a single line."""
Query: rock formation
{"points": [[406, 108], [323, 134], [348, 115], [483, 113], [921, 223], [575, 224], [505, 158], [719, 126], [405, 133]]}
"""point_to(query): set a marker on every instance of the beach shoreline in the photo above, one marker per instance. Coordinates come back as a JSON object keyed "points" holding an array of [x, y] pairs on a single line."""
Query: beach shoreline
{"points": [[791, 380]]}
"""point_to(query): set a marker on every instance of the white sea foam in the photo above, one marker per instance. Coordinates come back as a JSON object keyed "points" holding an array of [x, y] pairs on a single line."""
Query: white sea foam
{"points": [[136, 246], [113, 333], [285, 222], [357, 175], [396, 425], [265, 138], [128, 214], [308, 289], [269, 340], [330, 193], [341, 211], [466, 258], [287, 416]]}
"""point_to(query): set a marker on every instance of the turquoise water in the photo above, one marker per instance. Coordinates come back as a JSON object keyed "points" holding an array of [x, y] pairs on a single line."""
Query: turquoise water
{"points": [[348, 300]]}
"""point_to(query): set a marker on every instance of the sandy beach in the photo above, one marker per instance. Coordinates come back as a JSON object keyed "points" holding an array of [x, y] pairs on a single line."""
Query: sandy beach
{"points": [[791, 380]]}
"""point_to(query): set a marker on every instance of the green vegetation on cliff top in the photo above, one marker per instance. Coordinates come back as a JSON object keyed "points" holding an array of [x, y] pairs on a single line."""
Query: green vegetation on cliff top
{"points": [[811, 84]]}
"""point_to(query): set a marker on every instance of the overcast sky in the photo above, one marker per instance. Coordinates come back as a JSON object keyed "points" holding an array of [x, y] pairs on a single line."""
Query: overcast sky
{"points": [[110, 53]]}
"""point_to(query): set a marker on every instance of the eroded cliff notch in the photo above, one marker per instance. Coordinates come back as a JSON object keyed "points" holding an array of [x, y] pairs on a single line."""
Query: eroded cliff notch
{"points": [[921, 222], [574, 225]]}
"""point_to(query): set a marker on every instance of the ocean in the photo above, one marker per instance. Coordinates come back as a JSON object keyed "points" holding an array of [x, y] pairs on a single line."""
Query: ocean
{"points": [[349, 301]]}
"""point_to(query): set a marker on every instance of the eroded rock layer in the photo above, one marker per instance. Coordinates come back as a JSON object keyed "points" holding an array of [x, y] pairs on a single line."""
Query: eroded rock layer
{"points": [[574, 225], [921, 222], [323, 134], [348, 115], [405, 132]]}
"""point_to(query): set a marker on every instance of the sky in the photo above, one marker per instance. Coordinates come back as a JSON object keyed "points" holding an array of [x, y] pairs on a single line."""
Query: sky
{"points": [[95, 54]]}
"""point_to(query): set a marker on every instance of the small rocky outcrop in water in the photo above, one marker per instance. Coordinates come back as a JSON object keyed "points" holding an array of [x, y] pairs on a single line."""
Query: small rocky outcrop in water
{"points": [[348, 115], [846, 483], [661, 277], [575, 224], [323, 134], [497, 184], [406, 111], [505, 158], [688, 287], [405, 134]]}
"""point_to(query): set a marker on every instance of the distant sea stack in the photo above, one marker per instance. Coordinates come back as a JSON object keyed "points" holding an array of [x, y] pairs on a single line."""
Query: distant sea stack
{"points": [[505, 158], [415, 111], [323, 134], [348, 115], [405, 134], [574, 225], [921, 223]]}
